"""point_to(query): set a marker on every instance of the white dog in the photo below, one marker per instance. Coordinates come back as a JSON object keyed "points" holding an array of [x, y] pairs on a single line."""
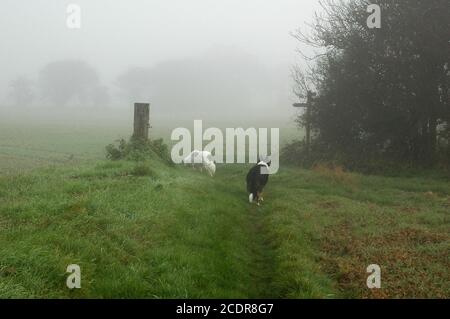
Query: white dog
{"points": [[202, 159]]}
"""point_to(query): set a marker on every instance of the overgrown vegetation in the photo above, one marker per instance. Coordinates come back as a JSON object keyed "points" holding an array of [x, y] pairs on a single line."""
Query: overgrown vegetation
{"points": [[138, 150], [382, 94]]}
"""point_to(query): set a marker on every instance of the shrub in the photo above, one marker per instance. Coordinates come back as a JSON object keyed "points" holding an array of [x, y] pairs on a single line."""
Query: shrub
{"points": [[138, 150], [114, 152], [366, 162], [162, 150], [294, 153]]}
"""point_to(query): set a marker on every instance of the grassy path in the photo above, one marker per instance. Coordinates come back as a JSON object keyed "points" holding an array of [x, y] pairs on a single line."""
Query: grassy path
{"points": [[260, 256], [148, 230], [264, 262], [260, 253]]}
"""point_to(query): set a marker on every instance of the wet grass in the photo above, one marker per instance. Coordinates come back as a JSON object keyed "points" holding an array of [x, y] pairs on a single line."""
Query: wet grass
{"points": [[179, 234], [153, 231]]}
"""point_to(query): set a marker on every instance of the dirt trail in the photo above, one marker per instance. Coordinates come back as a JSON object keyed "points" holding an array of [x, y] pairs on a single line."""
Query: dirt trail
{"points": [[263, 255]]}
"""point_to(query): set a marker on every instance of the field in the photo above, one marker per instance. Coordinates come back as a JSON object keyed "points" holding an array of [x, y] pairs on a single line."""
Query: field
{"points": [[154, 231]]}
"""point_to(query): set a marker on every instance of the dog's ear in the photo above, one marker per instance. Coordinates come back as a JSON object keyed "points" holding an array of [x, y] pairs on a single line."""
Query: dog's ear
{"points": [[269, 162]]}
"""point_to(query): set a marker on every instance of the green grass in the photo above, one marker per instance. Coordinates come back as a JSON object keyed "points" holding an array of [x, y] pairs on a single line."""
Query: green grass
{"points": [[177, 233], [154, 231], [26, 146]]}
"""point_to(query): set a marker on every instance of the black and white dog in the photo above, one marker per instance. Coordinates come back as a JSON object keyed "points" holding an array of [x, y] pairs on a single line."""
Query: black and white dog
{"points": [[257, 178]]}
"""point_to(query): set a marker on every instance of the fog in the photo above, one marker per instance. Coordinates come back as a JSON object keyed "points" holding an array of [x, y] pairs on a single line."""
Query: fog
{"points": [[225, 59]]}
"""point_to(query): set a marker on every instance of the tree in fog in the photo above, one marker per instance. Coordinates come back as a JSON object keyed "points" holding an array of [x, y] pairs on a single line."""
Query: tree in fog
{"points": [[100, 96], [21, 91], [68, 81], [135, 83], [222, 82], [382, 93]]}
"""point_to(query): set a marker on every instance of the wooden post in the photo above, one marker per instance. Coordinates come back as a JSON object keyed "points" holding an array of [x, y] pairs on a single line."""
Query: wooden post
{"points": [[141, 120], [309, 101], [308, 121]]}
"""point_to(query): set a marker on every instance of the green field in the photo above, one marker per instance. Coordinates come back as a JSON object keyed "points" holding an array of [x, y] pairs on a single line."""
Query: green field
{"points": [[154, 231]]}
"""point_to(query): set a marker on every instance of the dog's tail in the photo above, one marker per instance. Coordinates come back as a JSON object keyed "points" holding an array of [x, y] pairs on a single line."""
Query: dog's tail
{"points": [[250, 198]]}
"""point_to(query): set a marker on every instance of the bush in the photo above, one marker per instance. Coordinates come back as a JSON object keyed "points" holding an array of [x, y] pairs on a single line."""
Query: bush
{"points": [[294, 153], [114, 152], [322, 154], [138, 150], [162, 150], [368, 162]]}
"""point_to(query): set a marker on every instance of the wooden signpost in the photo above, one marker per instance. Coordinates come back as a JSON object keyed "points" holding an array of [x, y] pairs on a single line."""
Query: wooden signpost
{"points": [[307, 105]]}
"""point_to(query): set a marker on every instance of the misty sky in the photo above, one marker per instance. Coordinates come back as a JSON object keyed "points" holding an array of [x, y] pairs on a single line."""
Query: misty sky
{"points": [[118, 34]]}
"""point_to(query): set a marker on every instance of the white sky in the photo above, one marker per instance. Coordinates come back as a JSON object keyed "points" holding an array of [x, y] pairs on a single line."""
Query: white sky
{"points": [[116, 34]]}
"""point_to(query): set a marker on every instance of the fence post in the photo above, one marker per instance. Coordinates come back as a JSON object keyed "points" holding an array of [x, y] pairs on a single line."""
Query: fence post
{"points": [[141, 120]]}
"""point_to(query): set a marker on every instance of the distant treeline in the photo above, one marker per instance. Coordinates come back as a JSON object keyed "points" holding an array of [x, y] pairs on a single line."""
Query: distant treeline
{"points": [[382, 95], [59, 84], [211, 83]]}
